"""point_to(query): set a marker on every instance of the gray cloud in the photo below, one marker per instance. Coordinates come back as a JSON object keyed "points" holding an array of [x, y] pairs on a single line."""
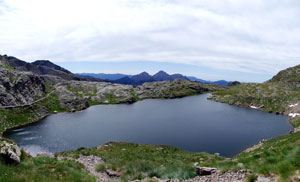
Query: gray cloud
{"points": [[252, 36]]}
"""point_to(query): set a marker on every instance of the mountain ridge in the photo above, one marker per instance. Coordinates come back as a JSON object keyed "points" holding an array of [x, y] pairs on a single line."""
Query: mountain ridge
{"points": [[44, 67], [159, 76]]}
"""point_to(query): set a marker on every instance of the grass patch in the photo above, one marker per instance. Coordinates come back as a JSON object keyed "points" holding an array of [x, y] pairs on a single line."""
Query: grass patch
{"points": [[280, 156], [135, 96], [295, 122], [44, 169], [137, 161], [18, 116]]}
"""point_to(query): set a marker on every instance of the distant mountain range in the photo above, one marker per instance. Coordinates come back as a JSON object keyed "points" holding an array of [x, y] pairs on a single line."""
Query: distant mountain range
{"points": [[219, 82], [143, 77], [45, 67], [105, 76]]}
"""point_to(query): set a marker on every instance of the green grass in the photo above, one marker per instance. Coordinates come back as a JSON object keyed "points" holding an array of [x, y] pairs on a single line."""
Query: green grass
{"points": [[137, 161], [295, 122], [19, 116], [274, 97], [135, 96], [5, 64], [44, 169], [279, 156]]}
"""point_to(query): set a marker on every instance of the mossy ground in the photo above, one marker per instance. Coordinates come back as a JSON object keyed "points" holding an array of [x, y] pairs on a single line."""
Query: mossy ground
{"points": [[44, 169]]}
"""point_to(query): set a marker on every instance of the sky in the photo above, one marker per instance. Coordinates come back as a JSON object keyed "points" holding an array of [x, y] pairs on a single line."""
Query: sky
{"points": [[245, 40]]}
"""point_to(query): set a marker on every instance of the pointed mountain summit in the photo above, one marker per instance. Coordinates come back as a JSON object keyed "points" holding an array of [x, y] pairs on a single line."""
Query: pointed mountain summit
{"points": [[142, 78], [161, 76]]}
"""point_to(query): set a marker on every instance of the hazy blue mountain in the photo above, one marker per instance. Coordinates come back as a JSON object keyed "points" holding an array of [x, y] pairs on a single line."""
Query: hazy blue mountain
{"points": [[105, 76], [192, 78], [219, 82], [146, 77], [163, 76], [141, 78], [125, 80]]}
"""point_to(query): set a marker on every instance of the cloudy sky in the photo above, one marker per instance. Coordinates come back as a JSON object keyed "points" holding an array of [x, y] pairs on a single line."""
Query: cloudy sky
{"points": [[246, 40]]}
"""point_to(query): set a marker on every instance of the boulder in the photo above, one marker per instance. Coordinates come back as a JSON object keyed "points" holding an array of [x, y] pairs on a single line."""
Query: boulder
{"points": [[9, 151], [202, 171], [112, 174]]}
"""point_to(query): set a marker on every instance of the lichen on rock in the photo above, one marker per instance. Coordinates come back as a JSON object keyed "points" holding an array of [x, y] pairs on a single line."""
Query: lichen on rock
{"points": [[9, 151]]}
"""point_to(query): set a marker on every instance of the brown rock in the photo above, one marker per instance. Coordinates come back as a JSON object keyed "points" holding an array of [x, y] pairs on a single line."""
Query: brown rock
{"points": [[202, 171]]}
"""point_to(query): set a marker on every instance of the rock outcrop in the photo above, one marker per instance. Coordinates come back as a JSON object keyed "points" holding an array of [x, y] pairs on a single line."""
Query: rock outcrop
{"points": [[9, 151], [20, 88], [173, 89]]}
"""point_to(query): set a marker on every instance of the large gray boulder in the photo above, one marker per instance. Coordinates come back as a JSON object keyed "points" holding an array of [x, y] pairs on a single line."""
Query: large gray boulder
{"points": [[9, 151]]}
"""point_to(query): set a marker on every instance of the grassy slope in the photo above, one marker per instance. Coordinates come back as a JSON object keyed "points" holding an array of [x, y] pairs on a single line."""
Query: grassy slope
{"points": [[138, 161], [280, 156], [274, 95], [44, 169], [19, 116]]}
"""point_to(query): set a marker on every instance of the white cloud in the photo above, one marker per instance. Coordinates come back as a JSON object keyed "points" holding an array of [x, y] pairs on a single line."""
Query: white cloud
{"points": [[254, 36]]}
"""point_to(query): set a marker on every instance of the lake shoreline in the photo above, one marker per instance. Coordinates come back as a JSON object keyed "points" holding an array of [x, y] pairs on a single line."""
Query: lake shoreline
{"points": [[2, 134], [40, 119]]}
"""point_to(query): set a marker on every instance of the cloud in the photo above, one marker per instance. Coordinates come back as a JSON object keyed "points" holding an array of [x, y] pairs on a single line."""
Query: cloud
{"points": [[251, 36]]}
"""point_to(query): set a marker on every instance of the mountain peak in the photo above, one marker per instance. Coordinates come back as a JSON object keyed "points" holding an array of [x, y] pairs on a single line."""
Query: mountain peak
{"points": [[144, 73], [161, 75], [49, 64]]}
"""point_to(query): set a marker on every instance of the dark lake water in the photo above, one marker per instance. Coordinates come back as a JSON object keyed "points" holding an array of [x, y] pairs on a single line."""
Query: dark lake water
{"points": [[191, 123]]}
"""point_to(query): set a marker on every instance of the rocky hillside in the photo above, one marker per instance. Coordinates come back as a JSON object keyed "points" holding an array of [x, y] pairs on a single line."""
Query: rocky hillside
{"points": [[290, 78], [173, 89], [280, 95], [43, 67], [76, 94], [19, 88]]}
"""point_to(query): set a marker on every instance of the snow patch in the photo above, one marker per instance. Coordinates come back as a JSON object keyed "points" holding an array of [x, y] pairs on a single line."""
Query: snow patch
{"points": [[294, 105], [294, 114]]}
